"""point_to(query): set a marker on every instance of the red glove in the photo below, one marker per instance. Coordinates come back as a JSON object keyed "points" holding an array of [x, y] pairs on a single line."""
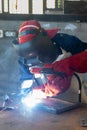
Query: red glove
{"points": [[57, 85]]}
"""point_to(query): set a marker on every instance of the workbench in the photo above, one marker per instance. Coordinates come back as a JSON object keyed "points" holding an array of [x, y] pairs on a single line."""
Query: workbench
{"points": [[42, 120]]}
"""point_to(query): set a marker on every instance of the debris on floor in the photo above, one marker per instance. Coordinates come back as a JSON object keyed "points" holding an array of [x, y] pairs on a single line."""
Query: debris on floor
{"points": [[83, 122]]}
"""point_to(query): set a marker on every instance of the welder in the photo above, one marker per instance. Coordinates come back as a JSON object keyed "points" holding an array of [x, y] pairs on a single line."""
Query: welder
{"points": [[57, 55]]}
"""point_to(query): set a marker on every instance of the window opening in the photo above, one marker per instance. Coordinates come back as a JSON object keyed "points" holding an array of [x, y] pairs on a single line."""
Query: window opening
{"points": [[59, 4], [18, 6], [54, 4], [50, 4], [37, 6], [0, 6], [6, 6]]}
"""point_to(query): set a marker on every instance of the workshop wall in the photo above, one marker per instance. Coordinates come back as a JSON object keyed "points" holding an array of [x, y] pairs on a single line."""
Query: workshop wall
{"points": [[75, 7], [9, 67]]}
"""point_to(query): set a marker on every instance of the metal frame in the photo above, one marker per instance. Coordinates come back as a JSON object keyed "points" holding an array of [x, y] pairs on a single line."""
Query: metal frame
{"points": [[43, 17], [50, 18]]}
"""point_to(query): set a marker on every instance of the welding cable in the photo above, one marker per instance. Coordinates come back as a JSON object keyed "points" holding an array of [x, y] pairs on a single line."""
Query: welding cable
{"points": [[51, 71], [80, 86]]}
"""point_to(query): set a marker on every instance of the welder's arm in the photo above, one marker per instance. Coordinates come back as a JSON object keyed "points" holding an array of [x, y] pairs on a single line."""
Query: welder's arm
{"points": [[58, 84], [76, 63]]}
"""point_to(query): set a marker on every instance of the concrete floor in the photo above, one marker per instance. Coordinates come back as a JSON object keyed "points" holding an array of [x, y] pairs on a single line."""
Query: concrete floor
{"points": [[40, 120]]}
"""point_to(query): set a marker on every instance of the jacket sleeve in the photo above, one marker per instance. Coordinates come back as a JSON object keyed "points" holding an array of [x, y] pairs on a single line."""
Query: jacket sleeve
{"points": [[57, 85], [25, 74], [76, 63]]}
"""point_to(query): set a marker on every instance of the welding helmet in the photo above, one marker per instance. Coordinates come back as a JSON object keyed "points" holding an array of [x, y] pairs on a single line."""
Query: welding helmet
{"points": [[33, 41]]}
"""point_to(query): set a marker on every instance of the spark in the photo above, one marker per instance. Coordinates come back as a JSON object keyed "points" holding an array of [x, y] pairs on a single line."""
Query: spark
{"points": [[34, 98]]}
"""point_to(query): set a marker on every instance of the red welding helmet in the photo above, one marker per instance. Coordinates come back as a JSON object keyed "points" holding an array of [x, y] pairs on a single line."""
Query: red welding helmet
{"points": [[33, 41]]}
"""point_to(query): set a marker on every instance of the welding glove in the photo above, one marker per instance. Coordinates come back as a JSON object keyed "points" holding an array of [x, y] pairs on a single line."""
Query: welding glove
{"points": [[58, 84]]}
